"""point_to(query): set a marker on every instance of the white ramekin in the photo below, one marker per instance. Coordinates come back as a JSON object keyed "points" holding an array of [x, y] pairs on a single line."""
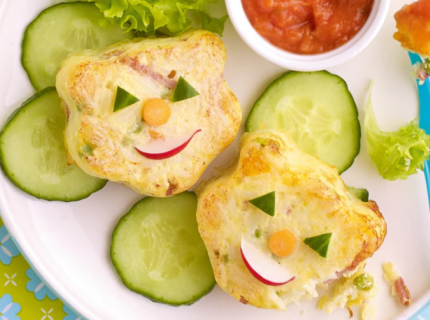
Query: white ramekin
{"points": [[301, 62]]}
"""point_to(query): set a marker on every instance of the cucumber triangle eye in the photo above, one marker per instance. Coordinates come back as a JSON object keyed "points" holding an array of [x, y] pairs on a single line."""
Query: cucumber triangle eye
{"points": [[123, 99], [319, 243], [265, 203], [183, 91]]}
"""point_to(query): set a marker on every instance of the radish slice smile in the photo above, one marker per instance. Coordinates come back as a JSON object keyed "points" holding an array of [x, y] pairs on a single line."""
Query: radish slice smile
{"points": [[166, 148], [262, 267]]}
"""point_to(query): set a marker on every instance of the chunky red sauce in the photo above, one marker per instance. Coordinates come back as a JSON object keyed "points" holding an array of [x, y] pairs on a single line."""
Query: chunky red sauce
{"points": [[308, 26]]}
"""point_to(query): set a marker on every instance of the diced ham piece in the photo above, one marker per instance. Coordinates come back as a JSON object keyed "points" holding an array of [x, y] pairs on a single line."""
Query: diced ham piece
{"points": [[398, 287], [243, 300], [143, 69], [402, 292]]}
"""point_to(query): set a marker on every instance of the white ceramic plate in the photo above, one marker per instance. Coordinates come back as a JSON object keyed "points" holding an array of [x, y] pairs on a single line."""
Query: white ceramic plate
{"points": [[68, 244]]}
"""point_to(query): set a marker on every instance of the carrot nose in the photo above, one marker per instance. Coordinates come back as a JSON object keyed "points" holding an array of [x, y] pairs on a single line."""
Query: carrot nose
{"points": [[155, 112], [282, 243]]}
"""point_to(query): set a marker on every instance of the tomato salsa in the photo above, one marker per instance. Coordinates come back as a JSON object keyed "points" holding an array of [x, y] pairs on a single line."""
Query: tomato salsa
{"points": [[308, 26]]}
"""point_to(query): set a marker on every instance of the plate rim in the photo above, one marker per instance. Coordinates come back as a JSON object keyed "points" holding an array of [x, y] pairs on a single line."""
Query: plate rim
{"points": [[36, 264], [61, 290]]}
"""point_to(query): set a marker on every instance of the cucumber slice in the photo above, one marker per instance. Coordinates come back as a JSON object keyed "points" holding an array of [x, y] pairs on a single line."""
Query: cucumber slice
{"points": [[359, 193], [59, 30], [158, 252], [33, 156], [318, 111]]}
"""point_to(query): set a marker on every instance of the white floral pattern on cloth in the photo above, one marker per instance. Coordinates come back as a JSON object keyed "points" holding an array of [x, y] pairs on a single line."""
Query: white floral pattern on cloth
{"points": [[38, 287], [8, 249], [10, 280], [47, 314], [8, 308]]}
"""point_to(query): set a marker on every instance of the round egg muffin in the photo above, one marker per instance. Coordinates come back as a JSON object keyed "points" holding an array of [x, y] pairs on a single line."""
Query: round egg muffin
{"points": [[295, 211], [105, 138]]}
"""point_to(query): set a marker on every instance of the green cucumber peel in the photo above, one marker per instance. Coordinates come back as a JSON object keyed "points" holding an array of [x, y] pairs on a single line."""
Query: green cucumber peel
{"points": [[359, 193], [265, 203], [183, 91], [123, 99], [319, 244]]}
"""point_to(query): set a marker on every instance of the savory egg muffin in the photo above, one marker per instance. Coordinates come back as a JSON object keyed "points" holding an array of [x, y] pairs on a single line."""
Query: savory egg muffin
{"points": [[119, 101], [294, 211], [413, 27]]}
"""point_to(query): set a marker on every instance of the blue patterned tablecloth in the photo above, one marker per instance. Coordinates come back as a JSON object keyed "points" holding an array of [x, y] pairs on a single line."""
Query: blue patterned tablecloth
{"points": [[23, 295]]}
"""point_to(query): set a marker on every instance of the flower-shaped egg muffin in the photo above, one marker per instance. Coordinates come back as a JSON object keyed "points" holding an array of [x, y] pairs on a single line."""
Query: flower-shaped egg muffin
{"points": [[281, 222], [120, 140]]}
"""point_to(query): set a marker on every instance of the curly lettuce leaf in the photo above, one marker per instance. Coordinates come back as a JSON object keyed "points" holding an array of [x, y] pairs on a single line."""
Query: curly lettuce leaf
{"points": [[212, 24], [165, 16], [396, 154]]}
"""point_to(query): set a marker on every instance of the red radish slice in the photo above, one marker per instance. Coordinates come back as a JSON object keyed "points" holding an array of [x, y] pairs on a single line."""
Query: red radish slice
{"points": [[262, 267], [166, 148]]}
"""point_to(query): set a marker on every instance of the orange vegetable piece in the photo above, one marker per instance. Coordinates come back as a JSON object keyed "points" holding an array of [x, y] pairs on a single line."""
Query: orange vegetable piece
{"points": [[413, 25], [254, 164], [155, 112], [282, 243]]}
